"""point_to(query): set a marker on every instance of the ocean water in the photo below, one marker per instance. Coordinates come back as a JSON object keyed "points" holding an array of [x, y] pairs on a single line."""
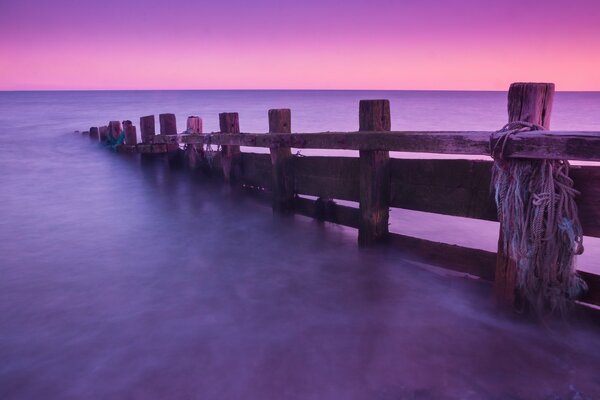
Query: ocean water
{"points": [[121, 279]]}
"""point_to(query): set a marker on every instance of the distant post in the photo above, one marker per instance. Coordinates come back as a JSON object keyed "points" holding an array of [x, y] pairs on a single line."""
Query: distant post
{"points": [[528, 102], [114, 130], [229, 123], [168, 124], [94, 133], [280, 121], [194, 125], [374, 116], [130, 133], [147, 129], [103, 134]]}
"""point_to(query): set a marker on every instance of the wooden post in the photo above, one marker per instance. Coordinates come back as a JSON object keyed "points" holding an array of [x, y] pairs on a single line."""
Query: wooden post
{"points": [[229, 123], [194, 125], [529, 102], [94, 133], [114, 130], [168, 124], [147, 128], [103, 134], [130, 133], [374, 115], [280, 121]]}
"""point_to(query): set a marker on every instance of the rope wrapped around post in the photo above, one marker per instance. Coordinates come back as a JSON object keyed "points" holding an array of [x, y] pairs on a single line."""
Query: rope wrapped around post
{"points": [[541, 231]]}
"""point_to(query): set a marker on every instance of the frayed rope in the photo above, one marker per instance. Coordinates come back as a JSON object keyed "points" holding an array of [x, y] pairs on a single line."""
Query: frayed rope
{"points": [[541, 231]]}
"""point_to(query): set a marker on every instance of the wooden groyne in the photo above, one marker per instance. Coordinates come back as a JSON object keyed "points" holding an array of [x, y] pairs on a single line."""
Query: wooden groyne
{"points": [[377, 182]]}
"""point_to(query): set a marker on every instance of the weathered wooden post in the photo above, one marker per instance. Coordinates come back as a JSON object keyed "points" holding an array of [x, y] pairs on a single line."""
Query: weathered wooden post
{"points": [[194, 125], [168, 124], [94, 133], [147, 128], [114, 130], [280, 121], [229, 123], [130, 133], [103, 134], [528, 102], [374, 116]]}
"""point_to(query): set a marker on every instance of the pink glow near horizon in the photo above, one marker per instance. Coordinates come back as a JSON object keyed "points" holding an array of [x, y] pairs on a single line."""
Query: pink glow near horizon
{"points": [[326, 44]]}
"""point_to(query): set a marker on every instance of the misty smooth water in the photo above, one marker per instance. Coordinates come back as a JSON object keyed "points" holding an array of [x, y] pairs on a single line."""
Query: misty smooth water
{"points": [[128, 280]]}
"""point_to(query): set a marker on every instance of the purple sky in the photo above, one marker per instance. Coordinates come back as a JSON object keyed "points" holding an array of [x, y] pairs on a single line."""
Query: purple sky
{"points": [[377, 44]]}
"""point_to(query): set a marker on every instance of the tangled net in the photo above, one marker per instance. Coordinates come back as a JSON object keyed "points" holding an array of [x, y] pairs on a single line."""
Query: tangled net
{"points": [[196, 153], [541, 231]]}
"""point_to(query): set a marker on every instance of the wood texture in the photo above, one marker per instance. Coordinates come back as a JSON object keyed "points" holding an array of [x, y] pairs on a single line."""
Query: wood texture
{"points": [[168, 124], [453, 187], [130, 133], [374, 176], [529, 102], [280, 121], [256, 171], [194, 125], [147, 128], [575, 145], [103, 134], [327, 177], [338, 214], [229, 123], [114, 130], [151, 148], [479, 263]]}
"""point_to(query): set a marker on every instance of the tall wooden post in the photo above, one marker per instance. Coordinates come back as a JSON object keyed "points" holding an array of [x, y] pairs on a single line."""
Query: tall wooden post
{"points": [[147, 128], [374, 116], [528, 102], [94, 133], [229, 123], [280, 121], [130, 133]]}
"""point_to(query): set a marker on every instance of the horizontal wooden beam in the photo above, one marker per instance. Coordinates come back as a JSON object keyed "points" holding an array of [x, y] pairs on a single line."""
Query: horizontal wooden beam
{"points": [[578, 145], [327, 212]]}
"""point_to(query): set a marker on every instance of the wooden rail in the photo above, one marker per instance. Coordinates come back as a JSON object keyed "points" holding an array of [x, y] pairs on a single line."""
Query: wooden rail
{"points": [[376, 182], [575, 145]]}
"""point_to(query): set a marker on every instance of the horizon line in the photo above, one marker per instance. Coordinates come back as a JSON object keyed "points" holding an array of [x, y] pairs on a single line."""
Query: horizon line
{"points": [[278, 90]]}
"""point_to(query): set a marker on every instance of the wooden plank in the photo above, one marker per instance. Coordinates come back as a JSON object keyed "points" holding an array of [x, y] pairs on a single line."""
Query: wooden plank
{"points": [[587, 181], [575, 145], [592, 296], [327, 177], [462, 188], [280, 121], [475, 262], [329, 212], [256, 170], [374, 176], [151, 148], [451, 187]]}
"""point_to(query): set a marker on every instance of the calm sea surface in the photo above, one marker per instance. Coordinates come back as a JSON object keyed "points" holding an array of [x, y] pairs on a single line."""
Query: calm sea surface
{"points": [[121, 280]]}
